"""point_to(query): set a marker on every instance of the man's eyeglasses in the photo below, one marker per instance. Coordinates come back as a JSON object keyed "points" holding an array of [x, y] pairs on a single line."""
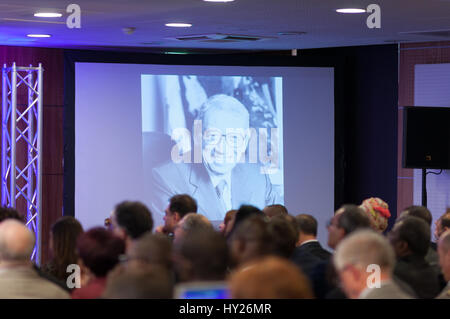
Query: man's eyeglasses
{"points": [[233, 139]]}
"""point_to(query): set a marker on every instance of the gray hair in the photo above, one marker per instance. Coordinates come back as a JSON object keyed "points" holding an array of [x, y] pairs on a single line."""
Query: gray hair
{"points": [[223, 102], [196, 222], [16, 241], [365, 247]]}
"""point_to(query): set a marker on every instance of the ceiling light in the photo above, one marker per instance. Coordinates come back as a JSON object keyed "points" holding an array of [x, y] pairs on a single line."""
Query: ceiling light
{"points": [[350, 10], [179, 25], [38, 35], [48, 15]]}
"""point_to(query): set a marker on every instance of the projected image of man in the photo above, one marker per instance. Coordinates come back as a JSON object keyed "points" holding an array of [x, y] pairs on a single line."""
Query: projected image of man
{"points": [[220, 178]]}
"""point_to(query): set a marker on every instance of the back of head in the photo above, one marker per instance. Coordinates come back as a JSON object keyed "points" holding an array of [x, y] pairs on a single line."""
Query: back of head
{"points": [[420, 212], [306, 224], [352, 218], [244, 212], [363, 248], [201, 256], [195, 222], [9, 213], [65, 233], [415, 232], [99, 249], [284, 235], [275, 210], [16, 242], [182, 204], [148, 282], [378, 212], [134, 217], [270, 278], [152, 249]]}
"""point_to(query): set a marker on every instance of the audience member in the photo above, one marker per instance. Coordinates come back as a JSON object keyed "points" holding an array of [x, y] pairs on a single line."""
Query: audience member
{"points": [[283, 234], [147, 282], [275, 210], [192, 222], [250, 240], [444, 260], [423, 213], [410, 239], [9, 213], [179, 206], [442, 224], [346, 220], [150, 249], [18, 279], [63, 239], [307, 237], [244, 212], [378, 212], [201, 256], [353, 257], [308, 253], [130, 220], [227, 224], [99, 251], [270, 278]]}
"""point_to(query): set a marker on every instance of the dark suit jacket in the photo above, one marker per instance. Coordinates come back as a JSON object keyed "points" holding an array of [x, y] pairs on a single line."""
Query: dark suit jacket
{"points": [[248, 186], [316, 249], [419, 275]]}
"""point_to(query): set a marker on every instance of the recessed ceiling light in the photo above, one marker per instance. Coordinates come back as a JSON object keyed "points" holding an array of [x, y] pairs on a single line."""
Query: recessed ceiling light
{"points": [[179, 25], [38, 35], [218, 0], [351, 10], [48, 15]]}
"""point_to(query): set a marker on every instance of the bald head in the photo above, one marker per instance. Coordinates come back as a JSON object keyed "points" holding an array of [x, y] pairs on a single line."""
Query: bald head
{"points": [[16, 242]]}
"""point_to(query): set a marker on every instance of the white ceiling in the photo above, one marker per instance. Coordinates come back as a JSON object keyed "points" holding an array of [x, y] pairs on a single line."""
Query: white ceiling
{"points": [[103, 21]]}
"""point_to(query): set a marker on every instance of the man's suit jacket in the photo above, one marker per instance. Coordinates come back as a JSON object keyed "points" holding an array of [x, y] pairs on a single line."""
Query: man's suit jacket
{"points": [[419, 275], [248, 186], [316, 249], [25, 283], [389, 290]]}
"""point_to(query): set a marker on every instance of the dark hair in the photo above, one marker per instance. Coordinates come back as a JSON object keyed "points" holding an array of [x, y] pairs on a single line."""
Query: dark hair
{"points": [[152, 249], [416, 233], [276, 209], [284, 235], [9, 212], [134, 217], [254, 229], [99, 249], [420, 212], [182, 204], [65, 233], [244, 212], [207, 253], [306, 224], [353, 218]]}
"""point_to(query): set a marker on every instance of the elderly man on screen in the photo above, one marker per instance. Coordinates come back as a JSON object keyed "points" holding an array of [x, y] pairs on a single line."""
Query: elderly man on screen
{"points": [[222, 180]]}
